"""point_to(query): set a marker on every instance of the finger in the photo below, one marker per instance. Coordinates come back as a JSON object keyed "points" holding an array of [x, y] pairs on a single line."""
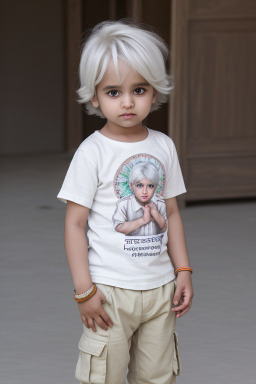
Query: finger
{"points": [[177, 296], [182, 306], [102, 297], [183, 312], [92, 325], [85, 322], [105, 317], [101, 323]]}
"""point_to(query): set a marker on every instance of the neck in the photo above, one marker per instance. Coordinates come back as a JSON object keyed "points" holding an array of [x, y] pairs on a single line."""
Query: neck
{"points": [[143, 204], [126, 134]]}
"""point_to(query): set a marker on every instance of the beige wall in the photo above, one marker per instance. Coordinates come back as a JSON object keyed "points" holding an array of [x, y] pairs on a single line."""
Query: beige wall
{"points": [[31, 77]]}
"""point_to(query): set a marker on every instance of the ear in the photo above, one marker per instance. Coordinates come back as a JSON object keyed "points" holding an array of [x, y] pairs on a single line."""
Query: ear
{"points": [[155, 93], [95, 101], [131, 188]]}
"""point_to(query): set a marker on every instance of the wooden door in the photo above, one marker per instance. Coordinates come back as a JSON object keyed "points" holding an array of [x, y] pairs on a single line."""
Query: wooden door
{"points": [[213, 113]]}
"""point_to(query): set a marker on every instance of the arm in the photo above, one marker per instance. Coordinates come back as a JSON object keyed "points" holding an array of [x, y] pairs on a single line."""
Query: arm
{"points": [[77, 256], [158, 217], [178, 253], [130, 226]]}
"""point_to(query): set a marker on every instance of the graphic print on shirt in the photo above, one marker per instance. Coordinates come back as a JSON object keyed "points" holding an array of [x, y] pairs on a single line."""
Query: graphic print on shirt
{"points": [[140, 212]]}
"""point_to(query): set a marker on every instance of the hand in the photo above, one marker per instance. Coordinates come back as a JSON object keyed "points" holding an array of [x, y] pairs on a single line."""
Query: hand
{"points": [[147, 214], [92, 310], [153, 207], [183, 294]]}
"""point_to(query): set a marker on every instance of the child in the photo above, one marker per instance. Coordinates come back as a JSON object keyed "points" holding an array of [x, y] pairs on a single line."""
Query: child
{"points": [[143, 212], [124, 282]]}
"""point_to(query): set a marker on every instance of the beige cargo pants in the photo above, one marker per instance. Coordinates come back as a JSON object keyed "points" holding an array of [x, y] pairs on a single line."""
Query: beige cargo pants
{"points": [[143, 338]]}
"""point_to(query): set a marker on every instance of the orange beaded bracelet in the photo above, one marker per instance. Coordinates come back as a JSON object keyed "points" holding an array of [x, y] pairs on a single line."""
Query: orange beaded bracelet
{"points": [[183, 269]]}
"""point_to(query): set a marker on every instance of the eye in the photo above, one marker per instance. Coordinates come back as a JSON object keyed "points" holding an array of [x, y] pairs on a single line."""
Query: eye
{"points": [[139, 185], [139, 91], [151, 186], [113, 93]]}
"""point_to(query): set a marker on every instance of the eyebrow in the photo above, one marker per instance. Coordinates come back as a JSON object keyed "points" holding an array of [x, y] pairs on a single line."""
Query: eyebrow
{"points": [[108, 87]]}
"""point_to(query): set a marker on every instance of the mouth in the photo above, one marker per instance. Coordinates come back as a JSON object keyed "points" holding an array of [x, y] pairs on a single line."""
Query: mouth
{"points": [[127, 115]]}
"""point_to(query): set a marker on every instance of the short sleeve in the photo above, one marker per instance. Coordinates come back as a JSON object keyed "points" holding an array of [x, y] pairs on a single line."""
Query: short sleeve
{"points": [[161, 207], [174, 180], [81, 181], [120, 215]]}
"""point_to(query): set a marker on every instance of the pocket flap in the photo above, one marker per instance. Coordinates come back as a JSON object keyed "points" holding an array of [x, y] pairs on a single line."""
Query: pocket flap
{"points": [[91, 346]]}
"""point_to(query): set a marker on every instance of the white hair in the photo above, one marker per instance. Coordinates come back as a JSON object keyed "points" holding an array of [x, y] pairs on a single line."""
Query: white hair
{"points": [[143, 50], [144, 170]]}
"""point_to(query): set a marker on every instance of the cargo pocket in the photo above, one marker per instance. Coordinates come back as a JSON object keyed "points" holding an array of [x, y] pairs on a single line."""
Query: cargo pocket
{"points": [[91, 365], [176, 356]]}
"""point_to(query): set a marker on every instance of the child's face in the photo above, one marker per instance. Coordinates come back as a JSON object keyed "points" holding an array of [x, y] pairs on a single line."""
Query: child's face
{"points": [[125, 102], [143, 190]]}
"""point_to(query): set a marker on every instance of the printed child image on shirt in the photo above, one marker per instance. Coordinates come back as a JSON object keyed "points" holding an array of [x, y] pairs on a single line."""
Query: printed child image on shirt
{"points": [[140, 210]]}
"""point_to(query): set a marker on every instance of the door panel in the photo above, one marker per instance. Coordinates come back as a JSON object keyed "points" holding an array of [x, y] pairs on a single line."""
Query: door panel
{"points": [[214, 102]]}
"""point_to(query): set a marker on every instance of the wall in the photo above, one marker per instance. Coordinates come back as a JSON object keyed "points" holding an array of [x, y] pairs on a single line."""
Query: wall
{"points": [[31, 77]]}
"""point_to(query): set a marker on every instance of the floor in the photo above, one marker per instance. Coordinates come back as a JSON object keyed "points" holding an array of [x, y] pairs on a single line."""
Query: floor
{"points": [[40, 324]]}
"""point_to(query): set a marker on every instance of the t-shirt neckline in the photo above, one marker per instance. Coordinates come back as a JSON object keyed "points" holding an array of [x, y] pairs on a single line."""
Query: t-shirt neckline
{"points": [[124, 142]]}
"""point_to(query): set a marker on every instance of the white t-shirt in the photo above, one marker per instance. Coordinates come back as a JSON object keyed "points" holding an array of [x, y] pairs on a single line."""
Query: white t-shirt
{"points": [[98, 178]]}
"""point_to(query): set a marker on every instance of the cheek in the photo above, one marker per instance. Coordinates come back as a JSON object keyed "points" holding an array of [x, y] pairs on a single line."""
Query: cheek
{"points": [[147, 105], [137, 192], [109, 106]]}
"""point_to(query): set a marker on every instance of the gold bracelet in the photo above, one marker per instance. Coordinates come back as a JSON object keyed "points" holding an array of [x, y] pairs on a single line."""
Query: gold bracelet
{"points": [[183, 269]]}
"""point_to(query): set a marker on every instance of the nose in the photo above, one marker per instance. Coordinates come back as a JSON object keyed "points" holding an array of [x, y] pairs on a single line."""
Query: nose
{"points": [[144, 191], [127, 101]]}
